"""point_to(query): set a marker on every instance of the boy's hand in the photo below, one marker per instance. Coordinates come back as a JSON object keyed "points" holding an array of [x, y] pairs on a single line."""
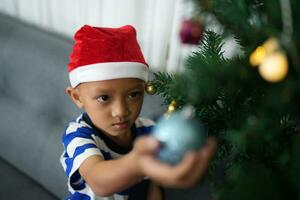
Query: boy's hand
{"points": [[185, 174]]}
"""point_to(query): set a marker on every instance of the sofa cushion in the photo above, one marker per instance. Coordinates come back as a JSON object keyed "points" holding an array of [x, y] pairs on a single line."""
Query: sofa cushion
{"points": [[34, 107]]}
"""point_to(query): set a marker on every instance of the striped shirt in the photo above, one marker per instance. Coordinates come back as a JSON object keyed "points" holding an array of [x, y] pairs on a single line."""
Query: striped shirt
{"points": [[82, 140]]}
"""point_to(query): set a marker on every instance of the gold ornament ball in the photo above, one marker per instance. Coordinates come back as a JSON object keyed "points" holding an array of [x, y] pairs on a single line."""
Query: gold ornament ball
{"points": [[271, 45], [173, 103], [150, 89], [172, 107], [274, 67], [257, 56], [261, 52]]}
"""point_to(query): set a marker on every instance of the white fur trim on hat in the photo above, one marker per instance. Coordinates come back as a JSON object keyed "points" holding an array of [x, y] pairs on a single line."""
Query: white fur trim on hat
{"points": [[107, 71]]}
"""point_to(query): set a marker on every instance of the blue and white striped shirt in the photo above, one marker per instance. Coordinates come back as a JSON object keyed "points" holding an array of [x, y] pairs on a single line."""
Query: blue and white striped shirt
{"points": [[82, 140]]}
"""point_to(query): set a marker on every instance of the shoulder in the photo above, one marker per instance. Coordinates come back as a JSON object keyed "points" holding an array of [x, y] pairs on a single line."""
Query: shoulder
{"points": [[77, 124], [77, 128]]}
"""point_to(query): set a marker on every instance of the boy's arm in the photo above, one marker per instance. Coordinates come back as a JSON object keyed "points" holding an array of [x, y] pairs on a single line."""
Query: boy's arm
{"points": [[108, 177]]}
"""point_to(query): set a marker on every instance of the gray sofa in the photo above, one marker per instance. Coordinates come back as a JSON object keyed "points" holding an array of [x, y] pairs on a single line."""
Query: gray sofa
{"points": [[35, 111]]}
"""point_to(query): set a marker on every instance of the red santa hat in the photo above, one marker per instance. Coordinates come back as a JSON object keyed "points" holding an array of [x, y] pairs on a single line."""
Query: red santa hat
{"points": [[106, 53]]}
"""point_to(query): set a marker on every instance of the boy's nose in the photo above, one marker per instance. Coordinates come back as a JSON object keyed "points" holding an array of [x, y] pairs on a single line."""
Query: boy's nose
{"points": [[120, 109]]}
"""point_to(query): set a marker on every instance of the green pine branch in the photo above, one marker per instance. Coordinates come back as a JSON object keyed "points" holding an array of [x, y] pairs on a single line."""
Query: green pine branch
{"points": [[256, 122]]}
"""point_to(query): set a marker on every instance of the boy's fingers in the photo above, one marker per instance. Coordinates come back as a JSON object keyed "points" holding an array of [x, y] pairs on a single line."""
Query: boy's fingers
{"points": [[205, 155], [166, 174], [156, 170], [187, 172], [192, 172], [146, 144], [209, 149]]}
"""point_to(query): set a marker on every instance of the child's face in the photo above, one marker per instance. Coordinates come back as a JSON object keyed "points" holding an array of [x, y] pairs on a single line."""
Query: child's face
{"points": [[112, 105]]}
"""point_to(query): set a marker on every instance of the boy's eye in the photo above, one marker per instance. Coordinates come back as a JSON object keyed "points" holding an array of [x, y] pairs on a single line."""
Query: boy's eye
{"points": [[103, 98], [134, 94]]}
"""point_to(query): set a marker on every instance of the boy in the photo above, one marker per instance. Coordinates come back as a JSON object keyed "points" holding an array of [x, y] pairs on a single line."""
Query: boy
{"points": [[106, 157]]}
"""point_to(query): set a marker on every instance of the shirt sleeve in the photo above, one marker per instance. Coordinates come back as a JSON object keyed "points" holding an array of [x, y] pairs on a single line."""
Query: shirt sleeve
{"points": [[79, 144]]}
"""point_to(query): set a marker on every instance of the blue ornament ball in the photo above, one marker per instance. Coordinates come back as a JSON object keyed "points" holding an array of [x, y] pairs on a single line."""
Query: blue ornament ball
{"points": [[178, 133]]}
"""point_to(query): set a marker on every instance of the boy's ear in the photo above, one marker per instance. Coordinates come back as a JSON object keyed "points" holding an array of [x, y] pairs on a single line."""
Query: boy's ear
{"points": [[75, 96]]}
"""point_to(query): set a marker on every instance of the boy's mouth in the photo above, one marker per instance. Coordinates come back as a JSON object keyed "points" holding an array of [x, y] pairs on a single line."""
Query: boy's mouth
{"points": [[121, 125]]}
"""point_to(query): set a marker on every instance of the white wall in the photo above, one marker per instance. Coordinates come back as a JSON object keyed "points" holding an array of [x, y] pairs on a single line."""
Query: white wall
{"points": [[157, 22]]}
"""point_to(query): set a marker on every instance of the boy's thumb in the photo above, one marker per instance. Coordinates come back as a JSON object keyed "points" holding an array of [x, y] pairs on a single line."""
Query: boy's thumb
{"points": [[146, 145]]}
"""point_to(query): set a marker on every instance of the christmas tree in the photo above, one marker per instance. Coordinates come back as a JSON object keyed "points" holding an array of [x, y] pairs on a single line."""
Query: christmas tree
{"points": [[249, 101]]}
